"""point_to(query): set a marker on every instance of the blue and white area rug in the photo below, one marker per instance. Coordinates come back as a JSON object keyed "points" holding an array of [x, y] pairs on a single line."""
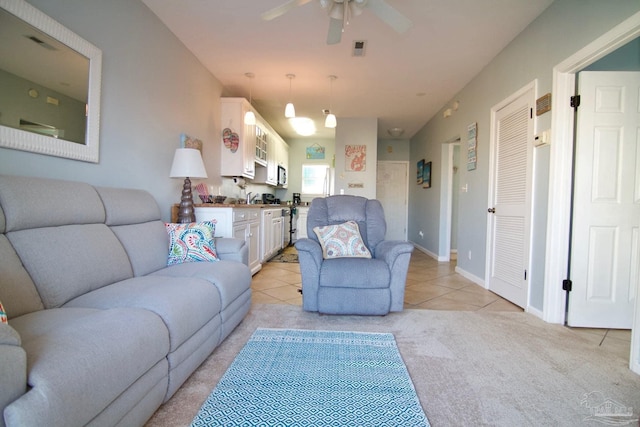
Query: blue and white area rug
{"points": [[285, 377]]}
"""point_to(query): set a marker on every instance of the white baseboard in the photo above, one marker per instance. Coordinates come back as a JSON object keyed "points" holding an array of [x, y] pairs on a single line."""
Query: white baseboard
{"points": [[428, 252], [532, 310], [473, 278]]}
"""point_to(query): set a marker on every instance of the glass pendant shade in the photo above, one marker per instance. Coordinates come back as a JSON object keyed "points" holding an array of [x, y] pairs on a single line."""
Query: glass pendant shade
{"points": [[249, 118], [289, 111], [330, 121]]}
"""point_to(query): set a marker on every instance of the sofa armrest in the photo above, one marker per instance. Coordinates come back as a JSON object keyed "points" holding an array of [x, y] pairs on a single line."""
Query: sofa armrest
{"points": [[13, 368], [310, 257], [232, 249]]}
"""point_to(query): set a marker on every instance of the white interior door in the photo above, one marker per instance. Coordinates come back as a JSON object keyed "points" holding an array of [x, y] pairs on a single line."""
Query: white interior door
{"points": [[392, 187], [605, 262], [509, 222]]}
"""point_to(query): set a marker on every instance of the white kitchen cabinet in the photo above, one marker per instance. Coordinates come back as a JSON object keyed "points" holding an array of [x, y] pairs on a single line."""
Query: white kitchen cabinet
{"points": [[272, 233], [242, 145], [277, 155], [241, 223]]}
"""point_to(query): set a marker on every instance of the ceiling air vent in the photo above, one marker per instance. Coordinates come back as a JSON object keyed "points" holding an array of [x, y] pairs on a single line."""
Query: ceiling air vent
{"points": [[359, 48]]}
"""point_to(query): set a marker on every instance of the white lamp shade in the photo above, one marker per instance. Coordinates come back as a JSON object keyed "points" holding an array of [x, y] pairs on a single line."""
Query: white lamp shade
{"points": [[187, 163], [249, 118], [330, 121], [289, 111]]}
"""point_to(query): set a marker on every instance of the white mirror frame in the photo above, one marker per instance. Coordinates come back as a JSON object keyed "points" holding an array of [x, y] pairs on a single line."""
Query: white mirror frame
{"points": [[27, 141]]}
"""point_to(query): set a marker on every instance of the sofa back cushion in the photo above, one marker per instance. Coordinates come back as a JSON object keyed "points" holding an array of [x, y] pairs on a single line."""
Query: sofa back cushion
{"points": [[68, 261], [134, 217], [57, 229], [16, 288]]}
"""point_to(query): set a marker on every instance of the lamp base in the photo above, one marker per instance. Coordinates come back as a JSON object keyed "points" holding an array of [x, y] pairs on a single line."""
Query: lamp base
{"points": [[186, 213]]}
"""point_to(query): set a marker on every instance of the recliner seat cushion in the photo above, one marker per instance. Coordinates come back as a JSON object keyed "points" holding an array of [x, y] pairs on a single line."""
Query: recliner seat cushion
{"points": [[360, 273]]}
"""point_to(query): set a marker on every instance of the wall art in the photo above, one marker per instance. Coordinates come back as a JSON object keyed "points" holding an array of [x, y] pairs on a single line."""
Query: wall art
{"points": [[426, 175], [420, 172], [355, 158]]}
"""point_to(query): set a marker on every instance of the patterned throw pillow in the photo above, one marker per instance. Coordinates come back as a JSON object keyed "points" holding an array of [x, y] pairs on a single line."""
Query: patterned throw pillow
{"points": [[191, 242], [342, 241], [3, 314]]}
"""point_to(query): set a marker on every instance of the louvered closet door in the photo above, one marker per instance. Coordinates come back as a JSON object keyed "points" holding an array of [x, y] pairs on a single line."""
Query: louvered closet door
{"points": [[509, 224]]}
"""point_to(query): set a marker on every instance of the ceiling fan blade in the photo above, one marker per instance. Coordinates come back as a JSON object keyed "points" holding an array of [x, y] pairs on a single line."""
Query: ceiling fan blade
{"points": [[390, 15], [335, 31], [282, 9]]}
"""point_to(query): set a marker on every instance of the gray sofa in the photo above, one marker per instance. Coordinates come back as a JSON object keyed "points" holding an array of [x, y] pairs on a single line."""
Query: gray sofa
{"points": [[101, 332]]}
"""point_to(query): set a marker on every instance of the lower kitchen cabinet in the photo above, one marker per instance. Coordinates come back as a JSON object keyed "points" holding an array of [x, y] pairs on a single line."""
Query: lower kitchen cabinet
{"points": [[241, 223]]}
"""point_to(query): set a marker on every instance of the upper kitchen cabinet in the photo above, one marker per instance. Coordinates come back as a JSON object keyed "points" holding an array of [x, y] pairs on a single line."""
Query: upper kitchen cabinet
{"points": [[240, 145]]}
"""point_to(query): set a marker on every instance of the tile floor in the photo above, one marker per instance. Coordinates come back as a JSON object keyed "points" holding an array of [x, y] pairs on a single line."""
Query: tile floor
{"points": [[430, 285]]}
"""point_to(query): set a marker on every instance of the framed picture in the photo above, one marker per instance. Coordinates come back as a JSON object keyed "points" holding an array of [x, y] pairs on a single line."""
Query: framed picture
{"points": [[355, 158], [426, 175], [420, 172]]}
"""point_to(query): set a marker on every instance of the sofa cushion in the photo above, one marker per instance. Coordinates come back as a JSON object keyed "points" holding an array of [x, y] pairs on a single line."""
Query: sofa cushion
{"points": [[342, 241], [354, 273], [184, 305], [81, 360], [128, 206], [191, 242], [17, 289], [146, 245], [36, 202], [230, 278], [68, 261]]}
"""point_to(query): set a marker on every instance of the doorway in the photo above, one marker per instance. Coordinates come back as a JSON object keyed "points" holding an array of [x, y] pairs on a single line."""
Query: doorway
{"points": [[559, 218], [510, 194], [392, 190]]}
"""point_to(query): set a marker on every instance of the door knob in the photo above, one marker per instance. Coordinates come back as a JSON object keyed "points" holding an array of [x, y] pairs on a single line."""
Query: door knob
{"points": [[491, 210]]}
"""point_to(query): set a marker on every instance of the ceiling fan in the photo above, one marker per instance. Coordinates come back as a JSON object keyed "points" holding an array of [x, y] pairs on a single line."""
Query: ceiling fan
{"points": [[340, 11]]}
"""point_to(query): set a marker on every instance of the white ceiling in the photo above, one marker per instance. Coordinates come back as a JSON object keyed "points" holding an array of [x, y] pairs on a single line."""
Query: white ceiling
{"points": [[403, 79]]}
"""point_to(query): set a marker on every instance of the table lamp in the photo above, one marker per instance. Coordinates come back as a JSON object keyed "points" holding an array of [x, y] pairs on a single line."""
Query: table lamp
{"points": [[187, 162]]}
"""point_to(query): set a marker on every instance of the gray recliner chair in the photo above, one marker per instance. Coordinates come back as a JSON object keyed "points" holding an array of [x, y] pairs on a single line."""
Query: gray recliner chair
{"points": [[362, 286]]}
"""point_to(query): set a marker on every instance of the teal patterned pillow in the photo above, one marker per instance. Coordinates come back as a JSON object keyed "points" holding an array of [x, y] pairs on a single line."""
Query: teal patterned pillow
{"points": [[3, 314], [191, 242], [342, 241]]}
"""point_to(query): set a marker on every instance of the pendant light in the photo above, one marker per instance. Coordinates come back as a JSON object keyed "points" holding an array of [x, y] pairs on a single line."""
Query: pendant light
{"points": [[249, 117], [290, 111], [330, 121]]}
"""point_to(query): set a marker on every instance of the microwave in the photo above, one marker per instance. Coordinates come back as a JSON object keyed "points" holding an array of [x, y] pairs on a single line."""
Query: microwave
{"points": [[282, 175]]}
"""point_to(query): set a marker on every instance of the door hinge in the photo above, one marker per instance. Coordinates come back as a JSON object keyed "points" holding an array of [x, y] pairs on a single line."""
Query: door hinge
{"points": [[566, 285], [575, 101]]}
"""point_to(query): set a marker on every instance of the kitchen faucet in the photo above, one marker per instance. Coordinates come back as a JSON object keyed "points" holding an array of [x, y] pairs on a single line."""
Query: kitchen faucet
{"points": [[251, 199]]}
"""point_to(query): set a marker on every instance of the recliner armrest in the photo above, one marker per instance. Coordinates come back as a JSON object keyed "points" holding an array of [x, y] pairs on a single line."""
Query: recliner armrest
{"points": [[13, 369], [312, 247], [389, 250]]}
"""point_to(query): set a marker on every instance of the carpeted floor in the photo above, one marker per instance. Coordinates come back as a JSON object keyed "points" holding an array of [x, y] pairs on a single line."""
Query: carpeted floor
{"points": [[468, 368]]}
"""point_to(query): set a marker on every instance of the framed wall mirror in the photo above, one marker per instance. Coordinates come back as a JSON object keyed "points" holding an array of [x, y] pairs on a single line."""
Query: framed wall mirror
{"points": [[49, 86]]}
